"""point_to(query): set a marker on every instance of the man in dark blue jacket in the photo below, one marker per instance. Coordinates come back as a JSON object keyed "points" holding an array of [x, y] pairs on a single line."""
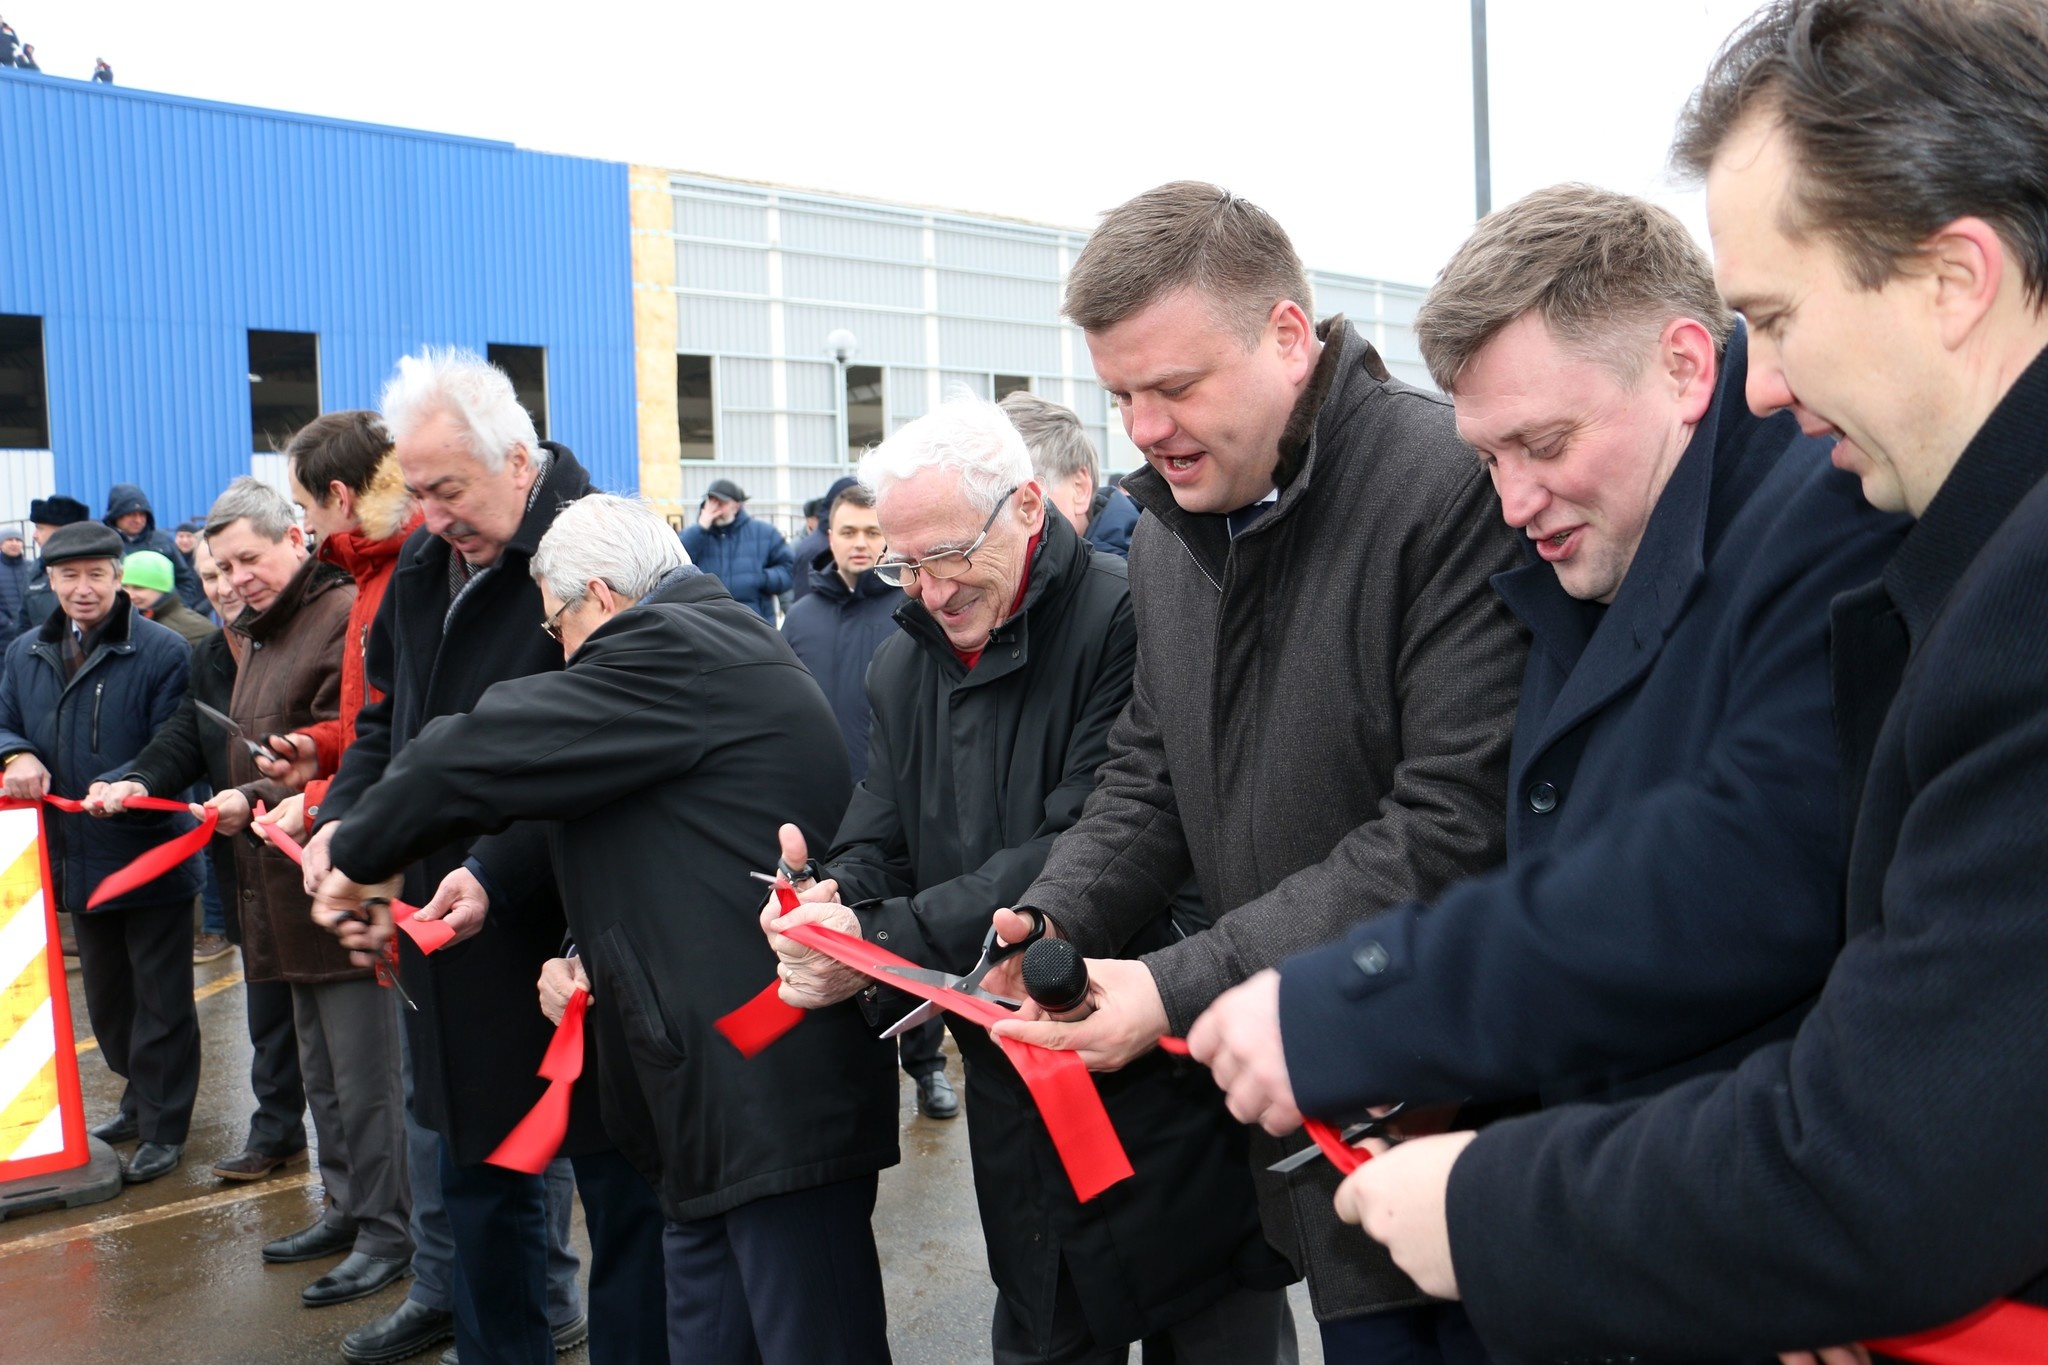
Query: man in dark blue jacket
{"points": [[836, 629], [79, 698], [129, 512], [1672, 891], [750, 557], [1879, 1173]]}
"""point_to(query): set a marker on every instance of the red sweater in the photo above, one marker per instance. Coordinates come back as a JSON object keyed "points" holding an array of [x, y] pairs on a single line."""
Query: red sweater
{"points": [[370, 563]]}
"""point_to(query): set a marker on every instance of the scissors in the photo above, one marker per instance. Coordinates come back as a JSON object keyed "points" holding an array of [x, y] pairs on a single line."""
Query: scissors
{"points": [[993, 950], [386, 966], [1351, 1136], [257, 748]]}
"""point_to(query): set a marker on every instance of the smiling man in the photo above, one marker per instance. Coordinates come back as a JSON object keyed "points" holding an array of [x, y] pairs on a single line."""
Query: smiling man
{"points": [[1877, 189], [1672, 892], [1325, 681]]}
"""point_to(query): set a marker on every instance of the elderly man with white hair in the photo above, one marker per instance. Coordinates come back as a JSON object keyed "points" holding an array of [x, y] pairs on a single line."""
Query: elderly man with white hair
{"points": [[992, 711], [680, 732], [461, 613]]}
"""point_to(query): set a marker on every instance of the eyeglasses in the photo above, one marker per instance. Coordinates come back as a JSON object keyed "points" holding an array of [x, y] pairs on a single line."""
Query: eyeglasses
{"points": [[902, 573], [552, 627]]}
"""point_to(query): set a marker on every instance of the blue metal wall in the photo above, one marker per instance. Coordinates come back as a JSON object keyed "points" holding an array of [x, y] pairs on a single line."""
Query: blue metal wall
{"points": [[151, 233]]}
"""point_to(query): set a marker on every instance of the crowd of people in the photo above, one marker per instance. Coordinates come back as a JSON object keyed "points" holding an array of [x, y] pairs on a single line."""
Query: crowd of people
{"points": [[1613, 787], [22, 56]]}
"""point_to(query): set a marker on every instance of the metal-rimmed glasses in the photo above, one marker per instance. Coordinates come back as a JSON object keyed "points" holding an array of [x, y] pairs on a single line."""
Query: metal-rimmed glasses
{"points": [[902, 573], [552, 627]]}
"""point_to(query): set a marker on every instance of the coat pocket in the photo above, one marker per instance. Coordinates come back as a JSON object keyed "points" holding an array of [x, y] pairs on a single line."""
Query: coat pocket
{"points": [[649, 1036]]}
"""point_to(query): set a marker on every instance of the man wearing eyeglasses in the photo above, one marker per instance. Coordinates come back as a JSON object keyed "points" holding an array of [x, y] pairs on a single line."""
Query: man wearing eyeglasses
{"points": [[992, 709]]}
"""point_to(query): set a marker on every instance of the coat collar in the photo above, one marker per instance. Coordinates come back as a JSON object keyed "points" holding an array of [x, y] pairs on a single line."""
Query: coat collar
{"points": [[1998, 468], [826, 582], [362, 556], [1055, 572]]}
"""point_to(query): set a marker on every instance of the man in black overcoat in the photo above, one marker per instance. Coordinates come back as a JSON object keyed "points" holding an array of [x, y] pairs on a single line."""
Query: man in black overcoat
{"points": [[460, 614], [681, 730], [992, 710], [1880, 223]]}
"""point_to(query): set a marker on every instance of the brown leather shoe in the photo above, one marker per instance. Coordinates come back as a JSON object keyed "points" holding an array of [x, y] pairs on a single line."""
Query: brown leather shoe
{"points": [[210, 948], [255, 1165]]}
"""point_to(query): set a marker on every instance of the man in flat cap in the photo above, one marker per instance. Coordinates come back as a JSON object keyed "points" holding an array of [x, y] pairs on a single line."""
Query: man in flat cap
{"points": [[750, 557]]}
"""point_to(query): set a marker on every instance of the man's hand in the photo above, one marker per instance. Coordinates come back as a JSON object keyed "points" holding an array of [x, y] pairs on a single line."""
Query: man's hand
{"points": [[111, 798], [291, 761], [27, 779], [358, 915], [707, 517], [233, 808], [1007, 976], [560, 978], [289, 817], [461, 900], [1826, 1355], [810, 980], [1238, 1039], [1398, 1198], [315, 863], [1127, 1021]]}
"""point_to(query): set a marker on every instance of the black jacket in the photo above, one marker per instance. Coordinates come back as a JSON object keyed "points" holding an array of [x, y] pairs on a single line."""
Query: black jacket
{"points": [[1672, 896], [124, 498], [38, 601], [835, 630], [1318, 728], [1881, 1172], [971, 775], [189, 748], [16, 572], [88, 729], [477, 1034], [681, 735]]}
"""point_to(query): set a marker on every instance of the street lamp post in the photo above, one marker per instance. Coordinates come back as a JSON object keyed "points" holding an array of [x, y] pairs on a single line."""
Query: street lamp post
{"points": [[841, 345], [1482, 139]]}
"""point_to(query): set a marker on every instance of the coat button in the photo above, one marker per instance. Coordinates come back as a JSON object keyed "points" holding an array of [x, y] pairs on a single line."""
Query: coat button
{"points": [[1543, 798], [1369, 957]]}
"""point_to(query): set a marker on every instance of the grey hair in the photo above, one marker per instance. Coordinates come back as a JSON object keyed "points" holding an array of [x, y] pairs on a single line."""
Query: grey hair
{"points": [[621, 542], [966, 435], [268, 512], [448, 381], [1059, 447]]}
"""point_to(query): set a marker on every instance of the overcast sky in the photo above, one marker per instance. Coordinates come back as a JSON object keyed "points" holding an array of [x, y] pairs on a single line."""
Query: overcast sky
{"points": [[1352, 123]]}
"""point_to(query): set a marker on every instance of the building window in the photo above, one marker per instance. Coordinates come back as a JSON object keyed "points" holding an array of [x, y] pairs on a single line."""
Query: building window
{"points": [[527, 368], [1007, 384], [696, 420], [24, 406], [864, 421], [284, 386]]}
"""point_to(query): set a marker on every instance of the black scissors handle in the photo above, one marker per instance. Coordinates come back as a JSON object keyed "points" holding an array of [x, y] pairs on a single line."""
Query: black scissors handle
{"points": [[994, 950]]}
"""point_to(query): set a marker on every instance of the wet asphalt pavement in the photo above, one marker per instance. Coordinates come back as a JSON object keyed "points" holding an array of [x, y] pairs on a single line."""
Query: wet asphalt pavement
{"points": [[169, 1271]]}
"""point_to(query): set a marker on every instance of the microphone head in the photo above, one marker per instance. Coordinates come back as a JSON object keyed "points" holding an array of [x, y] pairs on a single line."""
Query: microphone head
{"points": [[1055, 975]]}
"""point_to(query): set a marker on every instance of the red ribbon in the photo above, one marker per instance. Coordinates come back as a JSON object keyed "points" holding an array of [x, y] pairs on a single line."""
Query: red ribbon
{"points": [[531, 1145], [151, 865], [2004, 1333], [427, 935], [1344, 1157], [1060, 1085]]}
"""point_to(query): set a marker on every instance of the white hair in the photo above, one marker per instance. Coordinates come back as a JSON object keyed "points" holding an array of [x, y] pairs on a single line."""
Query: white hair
{"points": [[621, 542], [448, 381], [965, 435]]}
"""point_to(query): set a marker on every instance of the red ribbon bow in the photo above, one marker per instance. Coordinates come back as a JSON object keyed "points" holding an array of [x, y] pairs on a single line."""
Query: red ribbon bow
{"points": [[1060, 1085], [152, 864]]}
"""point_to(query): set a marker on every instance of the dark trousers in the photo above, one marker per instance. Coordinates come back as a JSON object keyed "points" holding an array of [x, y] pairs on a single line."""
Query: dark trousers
{"points": [[918, 1049], [137, 966], [1439, 1334], [499, 1221], [278, 1127], [1244, 1327], [792, 1279]]}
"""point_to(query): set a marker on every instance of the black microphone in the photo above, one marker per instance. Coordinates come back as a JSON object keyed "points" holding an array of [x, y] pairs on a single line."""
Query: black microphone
{"points": [[1056, 977]]}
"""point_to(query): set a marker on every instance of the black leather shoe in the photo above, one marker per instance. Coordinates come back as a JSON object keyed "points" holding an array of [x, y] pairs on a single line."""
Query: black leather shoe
{"points": [[120, 1128], [151, 1160], [935, 1097], [406, 1330], [568, 1337], [358, 1276], [310, 1244], [254, 1165]]}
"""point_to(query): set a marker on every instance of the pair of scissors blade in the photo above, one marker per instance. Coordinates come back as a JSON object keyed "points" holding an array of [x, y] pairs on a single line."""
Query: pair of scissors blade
{"points": [[235, 731], [946, 981], [1375, 1127], [926, 1010]]}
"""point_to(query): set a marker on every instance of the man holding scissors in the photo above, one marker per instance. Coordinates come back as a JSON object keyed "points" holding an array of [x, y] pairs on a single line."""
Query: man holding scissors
{"points": [[992, 713]]}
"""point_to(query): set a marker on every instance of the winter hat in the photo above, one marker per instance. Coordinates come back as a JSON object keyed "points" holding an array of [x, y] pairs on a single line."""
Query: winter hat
{"points": [[124, 498], [727, 489], [147, 569], [82, 540], [58, 510]]}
